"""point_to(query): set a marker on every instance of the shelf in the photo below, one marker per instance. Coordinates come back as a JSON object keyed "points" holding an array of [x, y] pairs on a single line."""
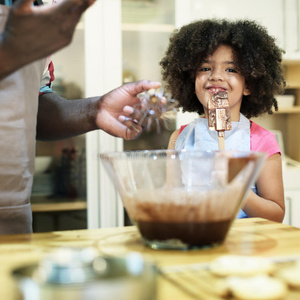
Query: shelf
{"points": [[292, 72], [288, 110], [55, 207], [288, 61]]}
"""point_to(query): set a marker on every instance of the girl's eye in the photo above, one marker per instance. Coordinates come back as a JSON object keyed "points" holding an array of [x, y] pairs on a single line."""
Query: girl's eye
{"points": [[204, 69], [231, 70]]}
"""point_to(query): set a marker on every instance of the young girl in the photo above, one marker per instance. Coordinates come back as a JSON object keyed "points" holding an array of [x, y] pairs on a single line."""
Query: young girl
{"points": [[240, 58]]}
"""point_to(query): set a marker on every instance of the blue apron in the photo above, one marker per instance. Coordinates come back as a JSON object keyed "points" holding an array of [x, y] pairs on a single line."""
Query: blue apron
{"points": [[197, 136]]}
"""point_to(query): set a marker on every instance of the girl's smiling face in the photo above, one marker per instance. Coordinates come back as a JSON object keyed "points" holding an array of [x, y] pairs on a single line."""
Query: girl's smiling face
{"points": [[217, 73]]}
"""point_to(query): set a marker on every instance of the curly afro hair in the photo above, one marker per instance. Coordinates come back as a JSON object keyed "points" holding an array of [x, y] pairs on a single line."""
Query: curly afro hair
{"points": [[255, 52]]}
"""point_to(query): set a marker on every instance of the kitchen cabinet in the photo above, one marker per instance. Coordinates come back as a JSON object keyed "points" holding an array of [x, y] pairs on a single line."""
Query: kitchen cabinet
{"points": [[280, 17], [103, 72], [119, 41], [291, 116], [146, 28], [291, 175], [287, 119], [287, 216], [259, 10], [291, 194], [58, 197], [291, 38], [90, 65]]}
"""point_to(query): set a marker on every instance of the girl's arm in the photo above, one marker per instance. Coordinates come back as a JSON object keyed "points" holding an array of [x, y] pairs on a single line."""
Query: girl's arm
{"points": [[173, 139], [269, 203]]}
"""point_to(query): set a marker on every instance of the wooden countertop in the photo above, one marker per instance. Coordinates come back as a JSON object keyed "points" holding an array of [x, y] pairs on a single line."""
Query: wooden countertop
{"points": [[253, 236]]}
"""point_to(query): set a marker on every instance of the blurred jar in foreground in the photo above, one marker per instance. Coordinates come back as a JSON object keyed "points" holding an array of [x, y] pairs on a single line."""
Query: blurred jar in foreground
{"points": [[81, 274]]}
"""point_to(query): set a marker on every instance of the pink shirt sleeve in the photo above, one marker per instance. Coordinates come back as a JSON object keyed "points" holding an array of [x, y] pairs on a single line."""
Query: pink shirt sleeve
{"points": [[263, 140], [182, 127]]}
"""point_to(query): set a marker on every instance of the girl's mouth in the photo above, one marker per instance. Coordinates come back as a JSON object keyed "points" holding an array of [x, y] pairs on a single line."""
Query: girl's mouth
{"points": [[214, 90]]}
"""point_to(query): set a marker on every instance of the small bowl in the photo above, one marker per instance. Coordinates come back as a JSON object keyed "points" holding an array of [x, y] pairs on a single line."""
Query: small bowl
{"points": [[285, 100], [42, 164], [78, 274], [182, 199]]}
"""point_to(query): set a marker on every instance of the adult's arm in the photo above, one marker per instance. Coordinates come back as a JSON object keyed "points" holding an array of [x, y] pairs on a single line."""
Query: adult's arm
{"points": [[34, 32], [59, 118]]}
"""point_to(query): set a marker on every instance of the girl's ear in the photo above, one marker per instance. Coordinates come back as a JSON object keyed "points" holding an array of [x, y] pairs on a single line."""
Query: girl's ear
{"points": [[246, 92]]}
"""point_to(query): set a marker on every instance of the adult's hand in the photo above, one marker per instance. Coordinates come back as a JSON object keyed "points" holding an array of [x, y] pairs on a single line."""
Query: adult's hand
{"points": [[34, 32], [59, 118], [115, 113]]}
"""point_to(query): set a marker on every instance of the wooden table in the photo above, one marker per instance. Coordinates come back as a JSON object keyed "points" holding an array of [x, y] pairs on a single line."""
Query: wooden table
{"points": [[254, 236]]}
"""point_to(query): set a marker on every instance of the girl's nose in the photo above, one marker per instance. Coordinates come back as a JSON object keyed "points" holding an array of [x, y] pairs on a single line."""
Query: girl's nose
{"points": [[216, 75]]}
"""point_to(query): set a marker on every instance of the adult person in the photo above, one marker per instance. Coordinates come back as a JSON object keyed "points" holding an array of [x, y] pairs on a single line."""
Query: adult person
{"points": [[30, 32], [29, 109]]}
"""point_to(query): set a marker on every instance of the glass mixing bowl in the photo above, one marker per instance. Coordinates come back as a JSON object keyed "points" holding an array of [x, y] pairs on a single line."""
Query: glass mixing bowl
{"points": [[183, 199]]}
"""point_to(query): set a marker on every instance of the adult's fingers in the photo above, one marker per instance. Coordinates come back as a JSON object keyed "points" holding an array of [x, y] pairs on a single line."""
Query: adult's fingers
{"points": [[133, 130], [134, 114], [23, 4], [130, 123], [142, 85], [63, 6], [74, 6]]}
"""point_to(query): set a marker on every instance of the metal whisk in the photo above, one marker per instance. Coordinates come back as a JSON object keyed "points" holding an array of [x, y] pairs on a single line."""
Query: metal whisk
{"points": [[156, 107]]}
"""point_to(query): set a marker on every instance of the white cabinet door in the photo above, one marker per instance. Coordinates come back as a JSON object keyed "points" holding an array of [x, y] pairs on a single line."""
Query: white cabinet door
{"points": [[103, 69], [292, 29], [267, 13], [294, 198], [287, 215]]}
